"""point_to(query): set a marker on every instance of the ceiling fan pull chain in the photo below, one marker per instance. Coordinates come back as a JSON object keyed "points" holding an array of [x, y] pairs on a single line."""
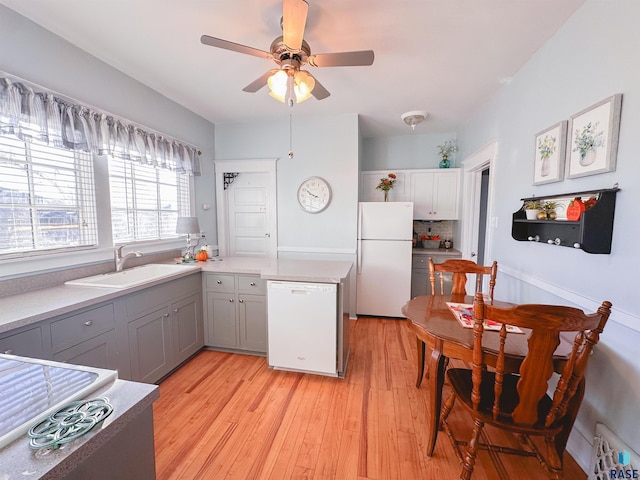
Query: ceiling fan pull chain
{"points": [[290, 137]]}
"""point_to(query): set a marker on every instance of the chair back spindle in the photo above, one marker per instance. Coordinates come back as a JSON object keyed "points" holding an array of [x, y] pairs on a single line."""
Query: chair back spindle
{"points": [[459, 269]]}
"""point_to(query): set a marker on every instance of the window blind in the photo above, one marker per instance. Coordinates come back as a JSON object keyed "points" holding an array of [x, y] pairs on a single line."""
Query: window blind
{"points": [[47, 197], [145, 201]]}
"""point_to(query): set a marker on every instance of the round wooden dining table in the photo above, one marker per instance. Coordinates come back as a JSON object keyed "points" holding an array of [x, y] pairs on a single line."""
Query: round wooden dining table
{"points": [[436, 327]]}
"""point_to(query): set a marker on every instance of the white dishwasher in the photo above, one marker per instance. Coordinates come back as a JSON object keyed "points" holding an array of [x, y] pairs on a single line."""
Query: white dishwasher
{"points": [[302, 326]]}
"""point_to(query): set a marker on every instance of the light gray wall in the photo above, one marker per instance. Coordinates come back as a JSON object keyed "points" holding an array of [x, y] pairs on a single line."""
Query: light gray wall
{"points": [[38, 56], [324, 146], [414, 150], [589, 59]]}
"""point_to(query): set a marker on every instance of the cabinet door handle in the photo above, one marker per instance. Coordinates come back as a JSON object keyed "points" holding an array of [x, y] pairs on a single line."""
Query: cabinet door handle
{"points": [[231, 300], [241, 301], [253, 284], [8, 351], [219, 282], [88, 323], [165, 315], [175, 310]]}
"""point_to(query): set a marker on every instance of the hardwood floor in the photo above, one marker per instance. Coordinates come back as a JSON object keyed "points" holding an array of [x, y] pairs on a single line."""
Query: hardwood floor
{"points": [[228, 416]]}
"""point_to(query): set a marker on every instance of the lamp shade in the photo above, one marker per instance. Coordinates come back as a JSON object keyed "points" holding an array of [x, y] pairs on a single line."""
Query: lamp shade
{"points": [[187, 225]]}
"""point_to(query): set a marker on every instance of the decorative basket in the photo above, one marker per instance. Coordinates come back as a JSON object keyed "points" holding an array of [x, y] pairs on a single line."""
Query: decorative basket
{"points": [[431, 244]]}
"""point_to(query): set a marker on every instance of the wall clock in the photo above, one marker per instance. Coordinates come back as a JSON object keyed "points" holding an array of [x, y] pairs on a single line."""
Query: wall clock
{"points": [[314, 194]]}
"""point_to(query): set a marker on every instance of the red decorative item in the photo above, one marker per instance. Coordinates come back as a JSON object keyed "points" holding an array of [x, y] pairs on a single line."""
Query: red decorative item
{"points": [[590, 203], [575, 209]]}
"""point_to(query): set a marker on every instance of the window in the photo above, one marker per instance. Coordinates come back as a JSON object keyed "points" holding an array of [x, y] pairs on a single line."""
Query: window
{"points": [[146, 201], [47, 198]]}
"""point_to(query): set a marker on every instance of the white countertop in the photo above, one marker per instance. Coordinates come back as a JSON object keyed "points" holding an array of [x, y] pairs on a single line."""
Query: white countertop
{"points": [[307, 271], [442, 252]]}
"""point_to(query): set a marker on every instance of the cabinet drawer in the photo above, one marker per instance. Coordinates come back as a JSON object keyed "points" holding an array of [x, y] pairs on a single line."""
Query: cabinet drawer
{"points": [[420, 261], [149, 299], [77, 328], [220, 282], [28, 343], [251, 284]]}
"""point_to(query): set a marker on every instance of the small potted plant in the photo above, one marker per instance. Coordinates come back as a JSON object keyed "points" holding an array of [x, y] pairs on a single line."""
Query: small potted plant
{"points": [[549, 210], [531, 208]]}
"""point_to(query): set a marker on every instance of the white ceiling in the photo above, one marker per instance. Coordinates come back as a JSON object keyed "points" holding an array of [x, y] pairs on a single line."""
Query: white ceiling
{"points": [[443, 56]]}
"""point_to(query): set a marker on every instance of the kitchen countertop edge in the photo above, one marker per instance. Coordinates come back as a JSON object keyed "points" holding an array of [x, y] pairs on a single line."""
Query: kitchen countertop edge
{"points": [[24, 309], [440, 252], [129, 400]]}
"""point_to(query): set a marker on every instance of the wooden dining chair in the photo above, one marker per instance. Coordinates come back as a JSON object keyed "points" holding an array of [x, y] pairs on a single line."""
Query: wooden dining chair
{"points": [[459, 269], [518, 402]]}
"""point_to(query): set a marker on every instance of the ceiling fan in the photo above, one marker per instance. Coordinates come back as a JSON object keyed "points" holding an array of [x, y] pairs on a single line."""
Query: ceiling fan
{"points": [[288, 83]]}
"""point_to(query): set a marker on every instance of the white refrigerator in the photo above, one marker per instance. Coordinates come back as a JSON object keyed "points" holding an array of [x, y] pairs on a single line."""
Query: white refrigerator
{"points": [[383, 282]]}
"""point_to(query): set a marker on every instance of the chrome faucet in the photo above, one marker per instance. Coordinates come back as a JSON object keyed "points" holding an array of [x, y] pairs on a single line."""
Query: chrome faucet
{"points": [[119, 260]]}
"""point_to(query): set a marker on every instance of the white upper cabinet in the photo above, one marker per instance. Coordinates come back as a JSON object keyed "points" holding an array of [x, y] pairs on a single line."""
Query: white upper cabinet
{"points": [[434, 192]]}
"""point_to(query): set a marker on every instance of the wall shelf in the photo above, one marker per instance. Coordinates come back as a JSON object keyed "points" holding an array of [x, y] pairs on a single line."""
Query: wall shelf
{"points": [[592, 233]]}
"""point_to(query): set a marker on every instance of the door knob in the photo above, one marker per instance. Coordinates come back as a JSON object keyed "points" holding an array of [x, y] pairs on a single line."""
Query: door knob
{"points": [[473, 254]]}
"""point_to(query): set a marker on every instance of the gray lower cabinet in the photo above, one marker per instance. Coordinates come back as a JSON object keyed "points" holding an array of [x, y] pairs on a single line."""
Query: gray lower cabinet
{"points": [[86, 338], [252, 319], [32, 341], [144, 335], [420, 283], [98, 352], [235, 312], [164, 325]]}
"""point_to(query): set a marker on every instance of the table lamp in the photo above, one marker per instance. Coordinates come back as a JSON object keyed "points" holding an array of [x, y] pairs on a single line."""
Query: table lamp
{"points": [[190, 226]]}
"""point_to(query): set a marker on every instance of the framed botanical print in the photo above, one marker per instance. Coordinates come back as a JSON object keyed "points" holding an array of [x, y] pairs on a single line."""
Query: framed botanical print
{"points": [[548, 166], [594, 134]]}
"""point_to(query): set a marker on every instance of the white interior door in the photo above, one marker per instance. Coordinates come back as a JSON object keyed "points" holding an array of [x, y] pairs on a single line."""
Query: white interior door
{"points": [[248, 215], [246, 208]]}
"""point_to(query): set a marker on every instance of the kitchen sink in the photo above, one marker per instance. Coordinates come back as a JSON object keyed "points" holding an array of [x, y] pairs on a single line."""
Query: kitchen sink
{"points": [[31, 390], [132, 276]]}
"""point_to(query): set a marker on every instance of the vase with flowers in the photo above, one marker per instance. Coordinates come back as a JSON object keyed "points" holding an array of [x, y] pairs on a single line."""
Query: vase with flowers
{"points": [[386, 184], [444, 150], [587, 142]]}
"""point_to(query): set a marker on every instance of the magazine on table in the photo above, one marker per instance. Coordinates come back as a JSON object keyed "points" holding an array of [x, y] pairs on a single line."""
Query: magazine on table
{"points": [[464, 314]]}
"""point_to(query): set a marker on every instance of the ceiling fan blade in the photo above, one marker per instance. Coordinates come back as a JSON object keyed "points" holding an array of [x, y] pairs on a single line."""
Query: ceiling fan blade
{"points": [[360, 58], [294, 18], [258, 83], [319, 92], [234, 47]]}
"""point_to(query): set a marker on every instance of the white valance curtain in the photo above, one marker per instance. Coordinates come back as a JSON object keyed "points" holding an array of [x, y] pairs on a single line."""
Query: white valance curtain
{"points": [[29, 114]]}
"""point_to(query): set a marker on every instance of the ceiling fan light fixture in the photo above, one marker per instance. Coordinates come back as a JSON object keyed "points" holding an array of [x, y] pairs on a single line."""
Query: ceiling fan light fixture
{"points": [[414, 118], [303, 85], [278, 85], [290, 85]]}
